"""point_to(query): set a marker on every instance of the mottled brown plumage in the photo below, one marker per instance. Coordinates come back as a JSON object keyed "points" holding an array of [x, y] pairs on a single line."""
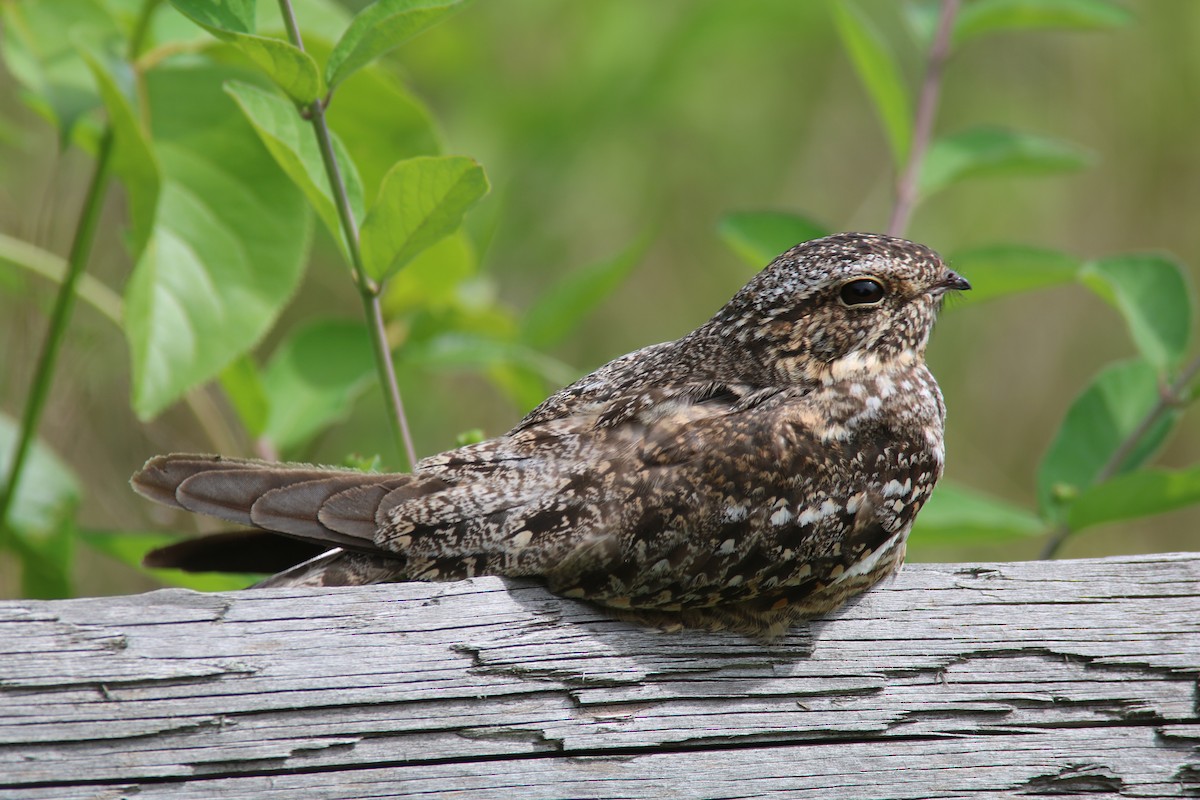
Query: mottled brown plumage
{"points": [[759, 470]]}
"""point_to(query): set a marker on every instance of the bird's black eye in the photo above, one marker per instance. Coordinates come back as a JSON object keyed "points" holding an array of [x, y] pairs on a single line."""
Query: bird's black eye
{"points": [[861, 292]]}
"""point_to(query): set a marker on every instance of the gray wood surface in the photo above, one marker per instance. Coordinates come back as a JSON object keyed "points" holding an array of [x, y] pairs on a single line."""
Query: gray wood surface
{"points": [[952, 680]]}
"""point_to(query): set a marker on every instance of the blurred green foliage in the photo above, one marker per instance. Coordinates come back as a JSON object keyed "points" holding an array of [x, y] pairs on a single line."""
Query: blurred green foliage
{"points": [[624, 141]]}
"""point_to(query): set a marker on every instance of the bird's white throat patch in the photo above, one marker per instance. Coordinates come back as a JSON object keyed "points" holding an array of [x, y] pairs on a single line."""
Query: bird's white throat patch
{"points": [[865, 363]]}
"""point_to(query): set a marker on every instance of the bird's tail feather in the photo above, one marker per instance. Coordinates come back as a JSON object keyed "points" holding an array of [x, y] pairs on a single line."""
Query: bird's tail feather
{"points": [[297, 500]]}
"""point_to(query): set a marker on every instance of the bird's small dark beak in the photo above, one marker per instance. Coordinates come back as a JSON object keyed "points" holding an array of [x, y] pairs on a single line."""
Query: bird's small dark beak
{"points": [[951, 281]]}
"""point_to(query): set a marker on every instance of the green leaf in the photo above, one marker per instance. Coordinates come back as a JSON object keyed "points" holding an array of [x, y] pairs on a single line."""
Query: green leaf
{"points": [[1108, 411], [433, 279], [1011, 269], [421, 201], [243, 386], [921, 17], [378, 28], [994, 151], [469, 436], [476, 315], [1138, 494], [757, 237], [228, 15], [47, 493], [41, 516], [956, 515], [564, 304], [525, 388], [46, 561], [381, 122], [133, 160], [228, 247], [880, 74], [289, 67], [41, 46], [982, 17], [363, 463], [291, 141], [130, 547], [1151, 292], [322, 23], [313, 379]]}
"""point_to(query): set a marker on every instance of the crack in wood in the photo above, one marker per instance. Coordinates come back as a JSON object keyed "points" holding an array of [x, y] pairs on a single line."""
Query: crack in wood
{"points": [[256, 763], [980, 572], [1188, 777], [1074, 779], [948, 680], [537, 739], [871, 759]]}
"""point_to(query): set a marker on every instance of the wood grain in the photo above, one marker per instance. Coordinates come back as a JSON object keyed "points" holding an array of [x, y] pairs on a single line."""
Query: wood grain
{"points": [[950, 680]]}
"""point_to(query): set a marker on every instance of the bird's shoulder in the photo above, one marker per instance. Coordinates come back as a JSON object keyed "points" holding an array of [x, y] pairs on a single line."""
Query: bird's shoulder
{"points": [[618, 378], [655, 424]]}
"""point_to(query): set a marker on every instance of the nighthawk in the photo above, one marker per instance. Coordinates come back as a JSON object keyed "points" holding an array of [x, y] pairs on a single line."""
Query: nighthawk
{"points": [[759, 470]]}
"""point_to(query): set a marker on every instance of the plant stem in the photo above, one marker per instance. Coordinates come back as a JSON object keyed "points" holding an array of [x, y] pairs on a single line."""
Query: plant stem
{"points": [[1171, 397], [53, 267], [931, 88], [43, 376], [368, 289], [77, 259]]}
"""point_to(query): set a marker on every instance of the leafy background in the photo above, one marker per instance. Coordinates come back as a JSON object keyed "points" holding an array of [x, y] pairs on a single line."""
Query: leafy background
{"points": [[618, 138]]}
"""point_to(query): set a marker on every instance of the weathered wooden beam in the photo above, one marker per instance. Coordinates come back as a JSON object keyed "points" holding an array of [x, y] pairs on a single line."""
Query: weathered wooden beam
{"points": [[946, 681]]}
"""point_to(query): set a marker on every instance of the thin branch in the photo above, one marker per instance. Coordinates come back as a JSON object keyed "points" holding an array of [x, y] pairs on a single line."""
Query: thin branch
{"points": [[368, 289], [927, 104], [53, 267], [1170, 398], [77, 259], [43, 377]]}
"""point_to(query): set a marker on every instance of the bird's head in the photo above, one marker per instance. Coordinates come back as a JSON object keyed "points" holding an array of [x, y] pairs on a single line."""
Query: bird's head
{"points": [[851, 301]]}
